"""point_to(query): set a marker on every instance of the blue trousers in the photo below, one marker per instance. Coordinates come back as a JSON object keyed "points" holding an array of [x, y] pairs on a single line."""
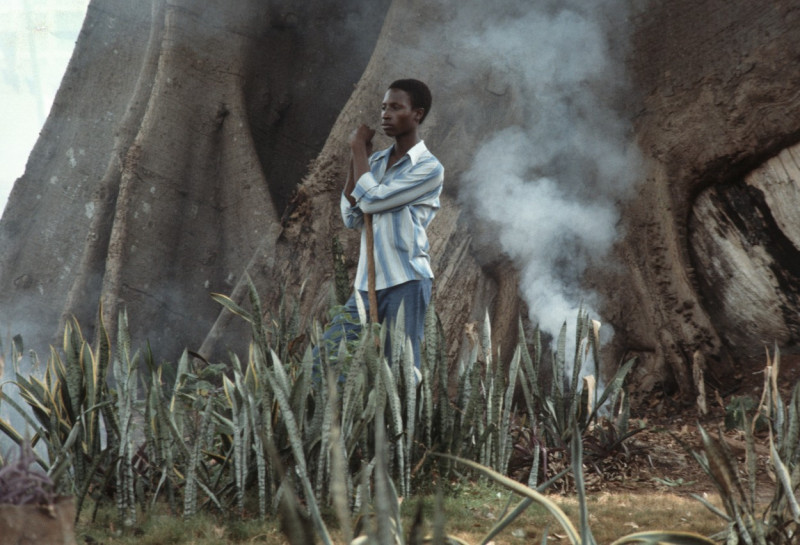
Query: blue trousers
{"points": [[414, 296]]}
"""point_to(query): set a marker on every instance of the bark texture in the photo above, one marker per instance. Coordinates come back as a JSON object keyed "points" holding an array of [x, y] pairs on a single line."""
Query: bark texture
{"points": [[719, 98], [745, 239], [217, 153], [177, 136], [465, 288]]}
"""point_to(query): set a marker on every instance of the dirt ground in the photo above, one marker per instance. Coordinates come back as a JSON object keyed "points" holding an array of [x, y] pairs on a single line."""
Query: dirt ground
{"points": [[656, 458]]}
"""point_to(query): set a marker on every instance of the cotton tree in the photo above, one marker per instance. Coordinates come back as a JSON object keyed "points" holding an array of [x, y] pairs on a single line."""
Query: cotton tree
{"points": [[595, 155]]}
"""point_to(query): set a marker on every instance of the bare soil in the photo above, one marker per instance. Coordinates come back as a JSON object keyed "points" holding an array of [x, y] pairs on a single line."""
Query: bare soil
{"points": [[657, 458]]}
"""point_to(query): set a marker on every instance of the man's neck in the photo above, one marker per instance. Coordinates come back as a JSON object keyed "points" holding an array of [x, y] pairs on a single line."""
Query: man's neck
{"points": [[402, 144]]}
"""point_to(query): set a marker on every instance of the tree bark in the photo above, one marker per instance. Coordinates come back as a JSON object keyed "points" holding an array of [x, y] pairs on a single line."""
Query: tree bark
{"points": [[176, 138], [718, 95], [195, 144], [464, 287]]}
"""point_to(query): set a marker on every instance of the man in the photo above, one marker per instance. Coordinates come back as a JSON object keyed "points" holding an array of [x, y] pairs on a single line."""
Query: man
{"points": [[399, 187]]}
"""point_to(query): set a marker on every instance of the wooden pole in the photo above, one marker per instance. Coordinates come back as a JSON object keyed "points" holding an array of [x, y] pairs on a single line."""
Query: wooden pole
{"points": [[373, 297]]}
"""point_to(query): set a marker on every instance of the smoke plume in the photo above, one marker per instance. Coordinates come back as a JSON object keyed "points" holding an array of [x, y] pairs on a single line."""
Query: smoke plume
{"points": [[550, 184]]}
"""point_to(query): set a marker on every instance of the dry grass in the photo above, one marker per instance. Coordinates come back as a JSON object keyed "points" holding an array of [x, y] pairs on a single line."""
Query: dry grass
{"points": [[613, 515]]}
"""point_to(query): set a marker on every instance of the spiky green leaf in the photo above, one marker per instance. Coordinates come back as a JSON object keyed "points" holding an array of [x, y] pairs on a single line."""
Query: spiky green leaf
{"points": [[522, 490], [665, 538]]}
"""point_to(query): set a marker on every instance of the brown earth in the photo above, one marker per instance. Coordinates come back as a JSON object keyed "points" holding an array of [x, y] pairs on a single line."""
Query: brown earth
{"points": [[657, 459]]}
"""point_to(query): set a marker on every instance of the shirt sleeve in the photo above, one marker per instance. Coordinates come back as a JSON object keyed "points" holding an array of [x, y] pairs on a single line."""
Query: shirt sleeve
{"points": [[423, 179], [352, 216]]}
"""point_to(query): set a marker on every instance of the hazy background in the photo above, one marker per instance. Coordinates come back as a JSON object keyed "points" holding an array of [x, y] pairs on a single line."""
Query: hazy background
{"points": [[36, 42]]}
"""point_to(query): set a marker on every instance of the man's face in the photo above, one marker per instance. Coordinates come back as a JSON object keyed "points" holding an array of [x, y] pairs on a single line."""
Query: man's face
{"points": [[397, 115]]}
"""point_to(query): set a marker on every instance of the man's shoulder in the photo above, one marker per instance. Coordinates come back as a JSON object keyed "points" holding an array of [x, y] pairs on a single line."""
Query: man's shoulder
{"points": [[422, 154], [426, 165], [429, 161], [429, 156]]}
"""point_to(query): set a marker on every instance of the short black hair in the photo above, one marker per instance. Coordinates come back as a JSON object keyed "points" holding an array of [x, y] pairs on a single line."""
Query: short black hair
{"points": [[418, 92]]}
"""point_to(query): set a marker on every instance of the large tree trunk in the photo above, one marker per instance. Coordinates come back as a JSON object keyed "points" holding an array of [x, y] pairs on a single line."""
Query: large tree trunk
{"points": [[466, 288], [712, 255], [177, 161], [178, 134]]}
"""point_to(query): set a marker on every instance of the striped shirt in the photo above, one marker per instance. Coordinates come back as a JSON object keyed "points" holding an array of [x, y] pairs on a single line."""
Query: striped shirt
{"points": [[402, 200]]}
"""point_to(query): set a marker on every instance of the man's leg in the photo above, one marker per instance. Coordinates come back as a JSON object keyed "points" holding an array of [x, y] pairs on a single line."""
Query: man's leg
{"points": [[414, 296], [344, 325]]}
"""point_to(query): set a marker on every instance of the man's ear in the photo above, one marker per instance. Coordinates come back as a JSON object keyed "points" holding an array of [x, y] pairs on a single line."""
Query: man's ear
{"points": [[419, 114]]}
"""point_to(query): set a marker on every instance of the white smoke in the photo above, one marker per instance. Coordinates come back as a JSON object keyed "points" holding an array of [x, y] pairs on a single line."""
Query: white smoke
{"points": [[551, 183]]}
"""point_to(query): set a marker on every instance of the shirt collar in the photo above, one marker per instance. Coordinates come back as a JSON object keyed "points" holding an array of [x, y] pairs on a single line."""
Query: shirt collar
{"points": [[414, 153]]}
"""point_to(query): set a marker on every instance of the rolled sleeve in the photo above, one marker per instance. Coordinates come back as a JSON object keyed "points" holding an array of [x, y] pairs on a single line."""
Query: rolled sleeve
{"points": [[422, 180], [364, 185], [352, 216]]}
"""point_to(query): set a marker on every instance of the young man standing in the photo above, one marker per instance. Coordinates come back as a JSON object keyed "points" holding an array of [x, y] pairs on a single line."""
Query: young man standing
{"points": [[399, 187]]}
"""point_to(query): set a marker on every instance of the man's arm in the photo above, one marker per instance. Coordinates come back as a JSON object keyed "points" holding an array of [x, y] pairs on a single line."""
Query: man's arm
{"points": [[350, 183], [422, 183], [360, 148]]}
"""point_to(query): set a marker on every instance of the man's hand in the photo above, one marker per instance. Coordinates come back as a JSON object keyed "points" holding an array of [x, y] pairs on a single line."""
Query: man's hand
{"points": [[361, 137], [361, 148]]}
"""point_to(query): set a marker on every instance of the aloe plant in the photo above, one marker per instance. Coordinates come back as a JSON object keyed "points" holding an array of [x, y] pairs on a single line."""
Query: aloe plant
{"points": [[267, 426], [779, 522], [68, 410]]}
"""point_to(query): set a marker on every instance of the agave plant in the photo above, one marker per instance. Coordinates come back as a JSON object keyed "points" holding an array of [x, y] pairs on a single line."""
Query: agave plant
{"points": [[89, 431], [209, 433], [558, 408], [69, 411], [779, 522]]}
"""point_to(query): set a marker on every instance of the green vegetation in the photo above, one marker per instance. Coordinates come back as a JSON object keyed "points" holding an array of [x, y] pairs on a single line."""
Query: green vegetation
{"points": [[328, 440], [779, 522]]}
